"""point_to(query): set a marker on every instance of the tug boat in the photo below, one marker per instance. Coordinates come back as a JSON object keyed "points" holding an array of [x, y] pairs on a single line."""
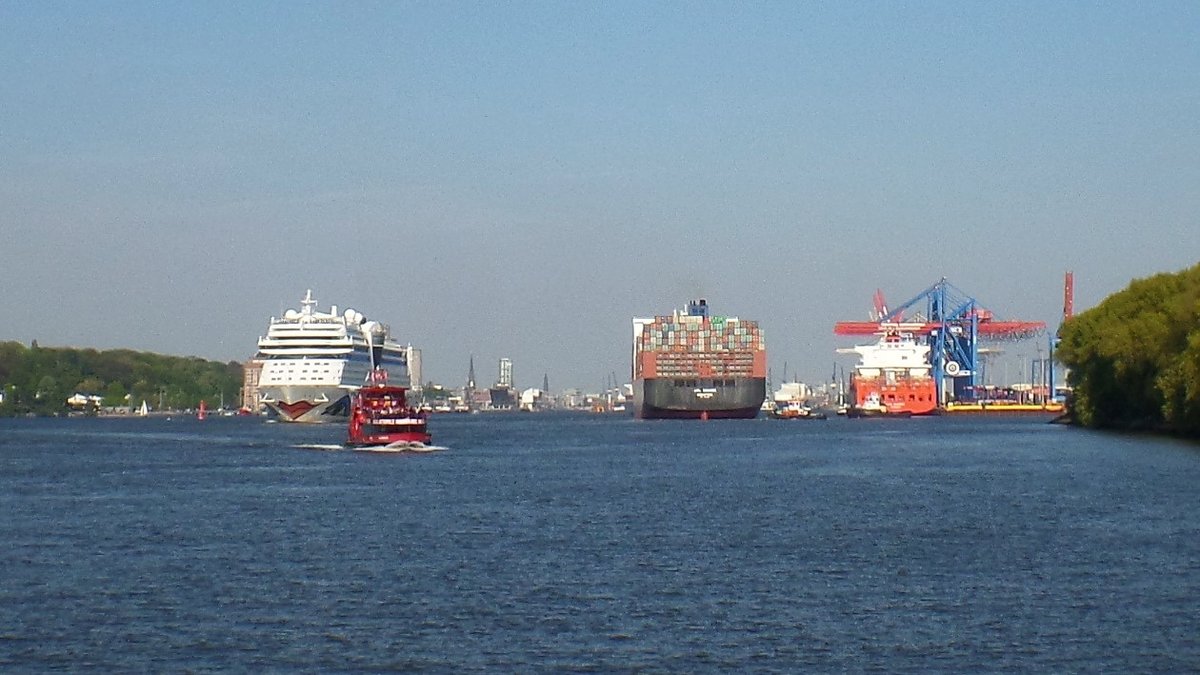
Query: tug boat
{"points": [[381, 418], [873, 406], [796, 410]]}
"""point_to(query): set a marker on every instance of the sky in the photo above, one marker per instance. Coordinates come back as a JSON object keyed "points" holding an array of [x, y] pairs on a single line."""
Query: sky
{"points": [[521, 179]]}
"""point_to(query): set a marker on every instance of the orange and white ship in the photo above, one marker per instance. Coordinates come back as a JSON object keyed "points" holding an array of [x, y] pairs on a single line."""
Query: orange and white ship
{"points": [[893, 376]]}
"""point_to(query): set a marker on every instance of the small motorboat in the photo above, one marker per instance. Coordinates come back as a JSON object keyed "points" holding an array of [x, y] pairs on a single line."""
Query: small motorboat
{"points": [[873, 406], [380, 418]]}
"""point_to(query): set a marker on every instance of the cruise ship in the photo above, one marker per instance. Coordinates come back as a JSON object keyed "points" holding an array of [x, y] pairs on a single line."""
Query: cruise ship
{"points": [[313, 361]]}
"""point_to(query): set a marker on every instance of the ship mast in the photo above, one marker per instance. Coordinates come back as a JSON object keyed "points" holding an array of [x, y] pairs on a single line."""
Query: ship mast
{"points": [[307, 303]]}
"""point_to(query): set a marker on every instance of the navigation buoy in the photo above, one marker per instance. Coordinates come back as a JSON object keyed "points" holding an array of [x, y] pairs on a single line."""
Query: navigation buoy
{"points": [[202, 414]]}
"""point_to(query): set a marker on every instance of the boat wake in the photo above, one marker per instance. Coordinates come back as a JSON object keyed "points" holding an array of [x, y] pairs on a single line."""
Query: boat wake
{"points": [[399, 446], [319, 446]]}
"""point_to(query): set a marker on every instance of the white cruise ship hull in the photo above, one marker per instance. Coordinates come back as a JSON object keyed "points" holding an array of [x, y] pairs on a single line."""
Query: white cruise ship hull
{"points": [[295, 403], [319, 389]]}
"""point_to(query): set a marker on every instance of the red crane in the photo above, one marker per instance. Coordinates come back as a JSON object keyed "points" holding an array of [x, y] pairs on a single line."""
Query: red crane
{"points": [[988, 326], [1069, 296]]}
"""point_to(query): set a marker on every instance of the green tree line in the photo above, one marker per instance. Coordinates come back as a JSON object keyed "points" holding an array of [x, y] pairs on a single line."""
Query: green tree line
{"points": [[1135, 357], [39, 380]]}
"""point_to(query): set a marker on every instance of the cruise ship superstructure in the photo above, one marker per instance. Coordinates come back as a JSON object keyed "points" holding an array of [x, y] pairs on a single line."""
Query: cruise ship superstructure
{"points": [[313, 361]]}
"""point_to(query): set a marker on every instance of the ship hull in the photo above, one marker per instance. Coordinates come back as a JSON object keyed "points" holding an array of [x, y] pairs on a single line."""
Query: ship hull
{"points": [[892, 397], [667, 398], [855, 412], [306, 404], [326, 400]]}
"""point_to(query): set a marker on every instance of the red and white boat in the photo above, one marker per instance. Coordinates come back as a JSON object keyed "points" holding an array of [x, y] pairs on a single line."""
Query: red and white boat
{"points": [[893, 377], [380, 417]]}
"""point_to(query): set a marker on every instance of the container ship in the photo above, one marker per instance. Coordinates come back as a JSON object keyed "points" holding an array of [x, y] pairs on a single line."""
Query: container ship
{"points": [[893, 377], [693, 366]]}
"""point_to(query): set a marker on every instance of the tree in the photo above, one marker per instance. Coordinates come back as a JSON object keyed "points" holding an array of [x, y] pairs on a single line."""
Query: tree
{"points": [[1135, 357], [36, 379], [115, 395], [90, 385]]}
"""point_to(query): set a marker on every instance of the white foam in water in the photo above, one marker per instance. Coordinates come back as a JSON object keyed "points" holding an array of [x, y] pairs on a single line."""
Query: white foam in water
{"points": [[402, 446]]}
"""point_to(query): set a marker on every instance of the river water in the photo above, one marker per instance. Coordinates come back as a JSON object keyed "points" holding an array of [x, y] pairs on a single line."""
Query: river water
{"points": [[566, 543]]}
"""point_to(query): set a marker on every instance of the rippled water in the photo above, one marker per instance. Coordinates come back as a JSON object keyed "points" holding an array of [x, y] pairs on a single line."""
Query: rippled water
{"points": [[561, 543]]}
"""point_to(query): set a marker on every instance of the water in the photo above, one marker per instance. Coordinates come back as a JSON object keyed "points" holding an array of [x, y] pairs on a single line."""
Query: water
{"points": [[563, 543]]}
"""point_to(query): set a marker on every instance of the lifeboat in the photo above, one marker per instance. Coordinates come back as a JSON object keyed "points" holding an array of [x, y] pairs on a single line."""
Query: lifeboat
{"points": [[381, 417]]}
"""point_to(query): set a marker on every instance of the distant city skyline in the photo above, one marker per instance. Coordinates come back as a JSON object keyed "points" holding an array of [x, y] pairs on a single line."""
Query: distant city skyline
{"points": [[522, 180]]}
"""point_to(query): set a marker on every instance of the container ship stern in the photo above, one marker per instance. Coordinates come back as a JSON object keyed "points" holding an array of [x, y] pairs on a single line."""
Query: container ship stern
{"points": [[693, 366]]}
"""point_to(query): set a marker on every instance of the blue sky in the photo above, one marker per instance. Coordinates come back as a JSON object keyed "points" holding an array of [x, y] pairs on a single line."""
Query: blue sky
{"points": [[520, 179]]}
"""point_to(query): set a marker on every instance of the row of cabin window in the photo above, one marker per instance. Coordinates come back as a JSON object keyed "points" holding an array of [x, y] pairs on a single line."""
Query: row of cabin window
{"points": [[277, 378]]}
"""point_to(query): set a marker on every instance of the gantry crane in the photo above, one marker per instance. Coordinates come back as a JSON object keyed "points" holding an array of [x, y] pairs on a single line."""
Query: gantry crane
{"points": [[952, 324]]}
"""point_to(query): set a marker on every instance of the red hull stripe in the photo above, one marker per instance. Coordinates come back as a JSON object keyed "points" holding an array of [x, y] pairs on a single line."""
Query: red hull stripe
{"points": [[295, 410]]}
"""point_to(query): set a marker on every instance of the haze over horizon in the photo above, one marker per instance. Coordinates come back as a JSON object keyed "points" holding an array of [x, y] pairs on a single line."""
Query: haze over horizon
{"points": [[521, 180]]}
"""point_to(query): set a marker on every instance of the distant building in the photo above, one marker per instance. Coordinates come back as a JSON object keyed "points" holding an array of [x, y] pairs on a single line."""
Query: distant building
{"points": [[792, 391], [415, 376], [479, 399], [251, 372], [533, 399], [502, 398], [573, 398], [506, 374], [85, 401]]}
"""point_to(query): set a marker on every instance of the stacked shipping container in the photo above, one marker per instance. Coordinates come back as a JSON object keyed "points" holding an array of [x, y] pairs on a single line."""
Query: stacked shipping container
{"points": [[692, 346], [723, 359]]}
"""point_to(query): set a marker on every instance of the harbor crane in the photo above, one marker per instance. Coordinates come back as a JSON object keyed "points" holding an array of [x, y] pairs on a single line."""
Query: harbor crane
{"points": [[952, 323]]}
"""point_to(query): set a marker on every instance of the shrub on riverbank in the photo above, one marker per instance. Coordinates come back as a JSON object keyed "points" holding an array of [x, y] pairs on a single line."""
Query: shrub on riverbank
{"points": [[1135, 357]]}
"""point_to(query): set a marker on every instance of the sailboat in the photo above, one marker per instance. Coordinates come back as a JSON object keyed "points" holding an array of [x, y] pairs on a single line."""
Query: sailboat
{"points": [[143, 411]]}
